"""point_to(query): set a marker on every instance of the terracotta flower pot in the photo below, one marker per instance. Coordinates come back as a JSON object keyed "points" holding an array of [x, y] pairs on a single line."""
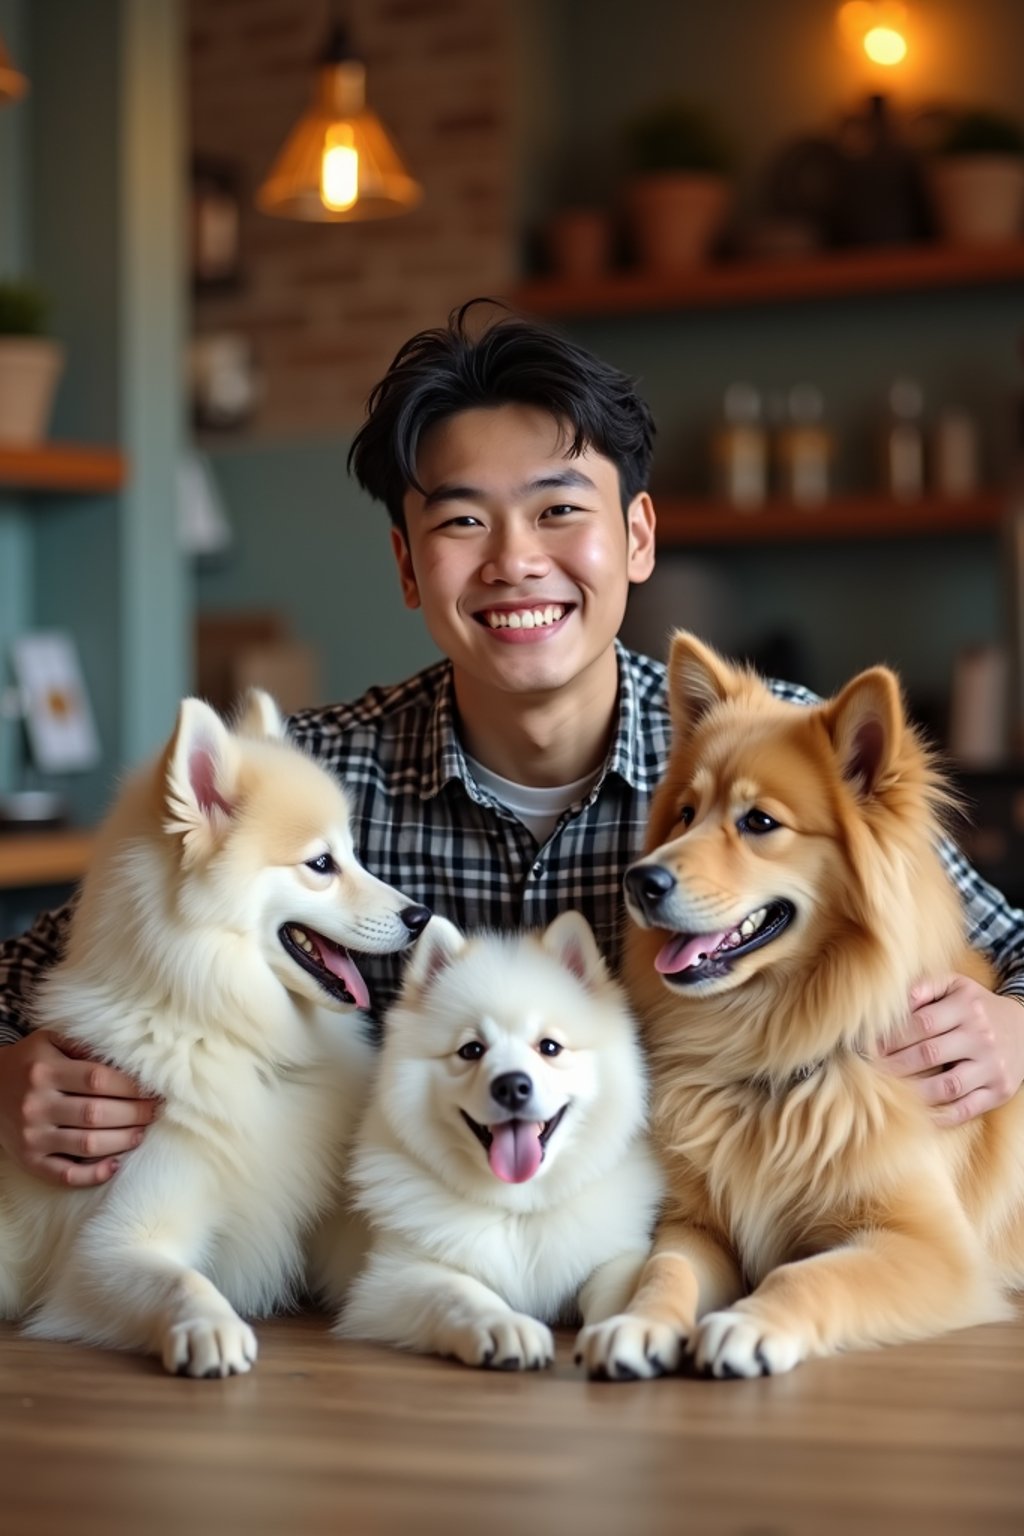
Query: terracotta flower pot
{"points": [[675, 217], [579, 242], [30, 370], [978, 199]]}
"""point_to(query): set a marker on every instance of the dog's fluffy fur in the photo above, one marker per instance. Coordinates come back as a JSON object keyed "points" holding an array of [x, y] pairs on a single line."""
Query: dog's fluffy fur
{"points": [[503, 1163], [792, 859], [206, 958]]}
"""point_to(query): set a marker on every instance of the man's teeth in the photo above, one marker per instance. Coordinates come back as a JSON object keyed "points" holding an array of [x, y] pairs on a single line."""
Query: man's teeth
{"points": [[526, 618]]}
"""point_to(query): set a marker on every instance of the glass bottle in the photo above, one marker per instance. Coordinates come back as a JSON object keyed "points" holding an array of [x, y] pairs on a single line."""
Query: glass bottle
{"points": [[804, 448], [903, 442], [740, 450]]}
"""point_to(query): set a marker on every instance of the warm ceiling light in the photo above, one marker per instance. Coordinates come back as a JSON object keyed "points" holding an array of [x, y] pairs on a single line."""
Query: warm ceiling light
{"points": [[338, 164], [876, 27], [884, 45], [13, 83]]}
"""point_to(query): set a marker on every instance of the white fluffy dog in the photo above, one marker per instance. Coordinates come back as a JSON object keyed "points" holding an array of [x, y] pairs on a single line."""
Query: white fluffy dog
{"points": [[209, 958], [503, 1163]]}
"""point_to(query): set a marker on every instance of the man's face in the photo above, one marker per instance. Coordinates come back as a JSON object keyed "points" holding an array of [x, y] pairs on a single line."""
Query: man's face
{"points": [[518, 553]]}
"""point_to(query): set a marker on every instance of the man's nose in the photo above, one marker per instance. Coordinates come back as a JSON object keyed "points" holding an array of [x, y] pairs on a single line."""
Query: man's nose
{"points": [[513, 555]]}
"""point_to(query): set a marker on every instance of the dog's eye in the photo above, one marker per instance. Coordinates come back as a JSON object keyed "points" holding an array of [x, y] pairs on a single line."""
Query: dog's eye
{"points": [[757, 822], [471, 1051], [323, 864], [686, 815], [550, 1048]]}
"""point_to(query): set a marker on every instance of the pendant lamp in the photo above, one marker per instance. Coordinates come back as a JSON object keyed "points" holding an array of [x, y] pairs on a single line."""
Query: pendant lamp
{"points": [[13, 84], [338, 164]]}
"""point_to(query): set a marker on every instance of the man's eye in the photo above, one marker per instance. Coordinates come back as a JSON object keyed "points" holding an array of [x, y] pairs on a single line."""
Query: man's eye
{"points": [[464, 520], [471, 1051], [323, 864], [550, 1048], [756, 822], [562, 510]]}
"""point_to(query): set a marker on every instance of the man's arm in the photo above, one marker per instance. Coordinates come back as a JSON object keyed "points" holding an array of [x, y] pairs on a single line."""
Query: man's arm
{"points": [[63, 1118], [974, 1035]]}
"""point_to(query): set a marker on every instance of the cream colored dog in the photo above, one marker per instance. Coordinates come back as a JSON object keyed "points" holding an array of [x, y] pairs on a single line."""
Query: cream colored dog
{"points": [[208, 957], [503, 1164]]}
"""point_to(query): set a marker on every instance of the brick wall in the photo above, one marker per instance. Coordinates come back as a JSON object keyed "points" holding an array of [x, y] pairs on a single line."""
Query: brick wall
{"points": [[326, 306]]}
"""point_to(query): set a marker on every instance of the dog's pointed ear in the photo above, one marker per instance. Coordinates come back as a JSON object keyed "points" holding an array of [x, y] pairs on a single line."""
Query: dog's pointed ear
{"points": [[697, 679], [437, 946], [200, 772], [570, 940], [258, 716], [866, 722]]}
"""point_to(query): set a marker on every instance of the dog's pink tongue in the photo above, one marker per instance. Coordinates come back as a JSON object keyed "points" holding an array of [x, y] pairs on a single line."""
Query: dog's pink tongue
{"points": [[686, 950], [340, 964], [515, 1151]]}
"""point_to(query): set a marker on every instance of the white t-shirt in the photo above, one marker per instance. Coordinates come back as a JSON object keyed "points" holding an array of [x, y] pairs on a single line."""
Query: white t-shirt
{"points": [[538, 809]]}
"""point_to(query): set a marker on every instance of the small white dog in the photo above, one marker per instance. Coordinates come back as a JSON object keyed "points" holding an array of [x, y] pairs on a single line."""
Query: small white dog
{"points": [[503, 1163], [208, 957]]}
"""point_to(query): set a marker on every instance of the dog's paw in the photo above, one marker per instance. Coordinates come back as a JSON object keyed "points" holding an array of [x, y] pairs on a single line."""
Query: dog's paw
{"points": [[504, 1341], [209, 1346], [628, 1348], [737, 1344]]}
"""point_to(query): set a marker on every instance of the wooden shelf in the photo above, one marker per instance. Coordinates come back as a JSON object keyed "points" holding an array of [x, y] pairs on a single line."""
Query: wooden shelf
{"points": [[683, 524], [70, 467], [835, 274], [44, 858]]}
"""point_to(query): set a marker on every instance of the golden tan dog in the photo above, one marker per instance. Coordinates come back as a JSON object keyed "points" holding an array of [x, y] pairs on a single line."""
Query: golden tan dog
{"points": [[790, 895]]}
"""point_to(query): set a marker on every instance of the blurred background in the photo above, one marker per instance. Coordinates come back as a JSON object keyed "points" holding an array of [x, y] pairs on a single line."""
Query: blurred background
{"points": [[800, 226]]}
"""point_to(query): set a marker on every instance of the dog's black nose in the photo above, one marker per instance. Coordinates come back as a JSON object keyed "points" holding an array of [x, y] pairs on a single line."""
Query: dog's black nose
{"points": [[512, 1089], [648, 884], [415, 918]]}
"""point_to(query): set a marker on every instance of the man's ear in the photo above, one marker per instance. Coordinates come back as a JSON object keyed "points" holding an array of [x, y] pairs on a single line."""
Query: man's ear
{"points": [[406, 574], [640, 525]]}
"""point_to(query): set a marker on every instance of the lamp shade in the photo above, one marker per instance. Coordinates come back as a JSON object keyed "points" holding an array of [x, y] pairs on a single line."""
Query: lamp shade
{"points": [[338, 164], [13, 84]]}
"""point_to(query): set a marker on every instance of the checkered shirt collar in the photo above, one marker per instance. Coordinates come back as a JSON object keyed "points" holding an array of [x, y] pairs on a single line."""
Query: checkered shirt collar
{"points": [[444, 758]]}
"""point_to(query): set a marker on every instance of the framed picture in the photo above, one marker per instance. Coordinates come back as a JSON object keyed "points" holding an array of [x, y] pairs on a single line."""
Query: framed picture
{"points": [[58, 719], [216, 223]]}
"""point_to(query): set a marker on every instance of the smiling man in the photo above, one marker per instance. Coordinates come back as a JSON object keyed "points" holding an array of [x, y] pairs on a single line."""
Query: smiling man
{"points": [[511, 781]]}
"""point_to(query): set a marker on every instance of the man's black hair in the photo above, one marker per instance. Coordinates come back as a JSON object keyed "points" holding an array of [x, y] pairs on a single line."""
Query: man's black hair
{"points": [[438, 373]]}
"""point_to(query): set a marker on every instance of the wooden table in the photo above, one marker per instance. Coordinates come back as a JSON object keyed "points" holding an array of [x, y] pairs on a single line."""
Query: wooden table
{"points": [[347, 1440]]}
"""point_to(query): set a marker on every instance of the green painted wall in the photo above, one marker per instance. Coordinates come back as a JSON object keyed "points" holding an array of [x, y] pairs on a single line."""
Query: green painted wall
{"points": [[309, 544]]}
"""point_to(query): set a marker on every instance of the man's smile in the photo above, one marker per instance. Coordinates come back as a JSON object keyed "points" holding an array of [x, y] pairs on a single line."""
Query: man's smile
{"points": [[524, 622]]}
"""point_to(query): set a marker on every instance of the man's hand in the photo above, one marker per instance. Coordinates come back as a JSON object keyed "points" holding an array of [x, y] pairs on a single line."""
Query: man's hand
{"points": [[56, 1108], [974, 1036]]}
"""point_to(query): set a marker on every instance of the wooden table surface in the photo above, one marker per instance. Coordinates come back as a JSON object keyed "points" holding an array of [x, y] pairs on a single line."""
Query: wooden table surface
{"points": [[326, 1437]]}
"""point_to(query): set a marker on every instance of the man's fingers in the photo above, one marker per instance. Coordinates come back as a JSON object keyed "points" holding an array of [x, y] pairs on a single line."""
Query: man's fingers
{"points": [[90, 1144], [958, 1081], [92, 1079], [978, 1102], [74, 1110], [925, 1055], [63, 1170]]}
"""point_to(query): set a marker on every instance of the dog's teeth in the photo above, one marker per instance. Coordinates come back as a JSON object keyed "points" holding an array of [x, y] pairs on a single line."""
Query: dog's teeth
{"points": [[747, 927], [303, 940]]}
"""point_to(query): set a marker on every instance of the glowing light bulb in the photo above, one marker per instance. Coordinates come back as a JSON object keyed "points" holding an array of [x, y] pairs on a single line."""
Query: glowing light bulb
{"points": [[339, 169], [884, 45]]}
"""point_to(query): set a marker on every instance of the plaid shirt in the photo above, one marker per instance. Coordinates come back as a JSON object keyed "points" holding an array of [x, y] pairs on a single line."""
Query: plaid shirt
{"points": [[424, 825]]}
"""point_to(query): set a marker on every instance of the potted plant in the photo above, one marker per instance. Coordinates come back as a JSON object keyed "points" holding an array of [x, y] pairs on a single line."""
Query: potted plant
{"points": [[677, 187], [976, 179], [30, 364]]}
